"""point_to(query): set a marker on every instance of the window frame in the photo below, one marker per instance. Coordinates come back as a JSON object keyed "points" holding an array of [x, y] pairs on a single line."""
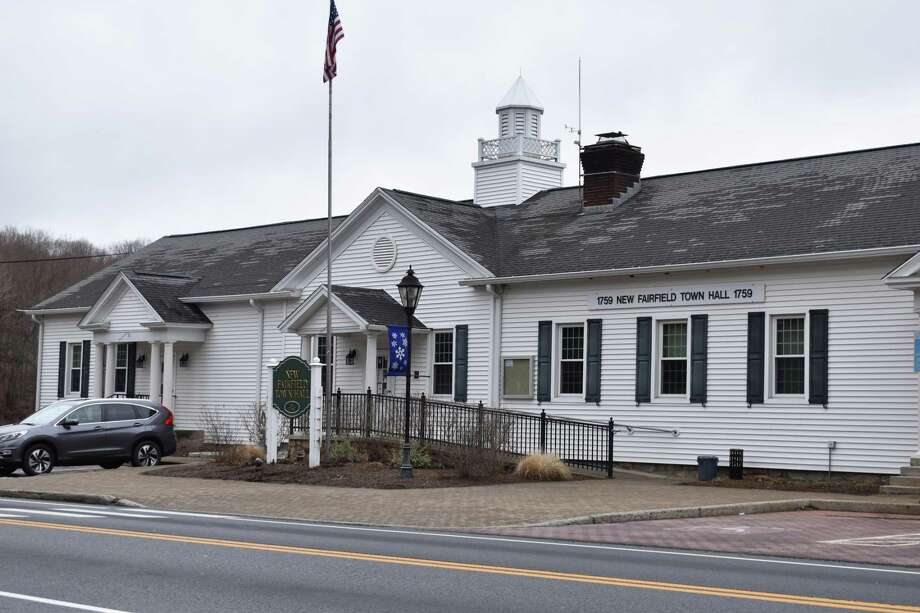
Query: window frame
{"points": [[557, 358], [771, 363], [435, 363], [124, 390], [530, 377], [71, 367], [658, 355]]}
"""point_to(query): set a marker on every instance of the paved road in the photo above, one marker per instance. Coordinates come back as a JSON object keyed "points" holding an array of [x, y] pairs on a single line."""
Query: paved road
{"points": [[119, 559]]}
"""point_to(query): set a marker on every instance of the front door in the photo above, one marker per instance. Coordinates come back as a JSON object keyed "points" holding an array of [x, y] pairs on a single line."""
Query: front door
{"points": [[382, 364]]}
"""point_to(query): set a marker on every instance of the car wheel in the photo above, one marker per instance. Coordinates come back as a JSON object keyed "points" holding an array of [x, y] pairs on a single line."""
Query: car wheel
{"points": [[6, 471], [39, 460], [147, 453], [111, 465]]}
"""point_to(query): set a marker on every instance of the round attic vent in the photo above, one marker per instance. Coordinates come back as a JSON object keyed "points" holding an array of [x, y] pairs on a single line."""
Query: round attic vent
{"points": [[384, 254]]}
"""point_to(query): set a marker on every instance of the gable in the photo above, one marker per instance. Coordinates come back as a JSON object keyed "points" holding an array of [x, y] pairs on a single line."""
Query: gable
{"points": [[121, 307], [378, 216]]}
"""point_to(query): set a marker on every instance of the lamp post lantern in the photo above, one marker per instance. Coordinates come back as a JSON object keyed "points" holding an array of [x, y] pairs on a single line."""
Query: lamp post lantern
{"points": [[410, 290]]}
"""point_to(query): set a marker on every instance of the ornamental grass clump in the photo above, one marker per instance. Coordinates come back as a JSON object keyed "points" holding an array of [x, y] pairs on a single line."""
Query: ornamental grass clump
{"points": [[543, 467]]}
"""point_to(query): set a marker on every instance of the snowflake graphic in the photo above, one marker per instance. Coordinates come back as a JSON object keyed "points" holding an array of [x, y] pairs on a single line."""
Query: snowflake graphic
{"points": [[403, 335], [400, 354], [394, 344]]}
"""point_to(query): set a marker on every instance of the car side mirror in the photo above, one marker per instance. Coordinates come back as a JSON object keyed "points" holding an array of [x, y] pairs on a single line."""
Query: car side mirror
{"points": [[70, 422]]}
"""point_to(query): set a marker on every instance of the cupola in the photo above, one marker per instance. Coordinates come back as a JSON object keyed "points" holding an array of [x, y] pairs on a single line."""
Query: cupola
{"points": [[518, 163]]}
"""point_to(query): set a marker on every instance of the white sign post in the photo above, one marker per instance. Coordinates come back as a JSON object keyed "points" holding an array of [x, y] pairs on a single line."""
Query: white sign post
{"points": [[271, 418], [316, 411]]}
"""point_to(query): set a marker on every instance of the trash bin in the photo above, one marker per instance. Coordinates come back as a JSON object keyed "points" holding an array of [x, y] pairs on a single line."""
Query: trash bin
{"points": [[706, 467]]}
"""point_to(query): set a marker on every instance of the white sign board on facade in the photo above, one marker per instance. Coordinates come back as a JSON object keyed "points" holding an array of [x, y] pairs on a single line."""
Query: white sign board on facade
{"points": [[690, 295]]}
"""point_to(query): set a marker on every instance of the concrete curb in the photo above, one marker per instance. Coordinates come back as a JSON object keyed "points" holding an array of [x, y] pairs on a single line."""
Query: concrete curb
{"points": [[744, 508], [101, 499]]}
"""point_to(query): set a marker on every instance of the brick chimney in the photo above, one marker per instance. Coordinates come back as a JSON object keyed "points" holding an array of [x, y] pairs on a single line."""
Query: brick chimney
{"points": [[611, 169]]}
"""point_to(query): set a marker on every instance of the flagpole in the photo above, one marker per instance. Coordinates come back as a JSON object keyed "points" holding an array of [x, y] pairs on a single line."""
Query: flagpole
{"points": [[329, 348]]}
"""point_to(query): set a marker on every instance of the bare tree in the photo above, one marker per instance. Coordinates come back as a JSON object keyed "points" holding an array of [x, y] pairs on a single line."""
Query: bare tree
{"points": [[29, 274]]}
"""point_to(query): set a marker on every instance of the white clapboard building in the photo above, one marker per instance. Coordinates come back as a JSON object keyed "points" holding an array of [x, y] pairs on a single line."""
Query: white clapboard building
{"points": [[771, 307]]}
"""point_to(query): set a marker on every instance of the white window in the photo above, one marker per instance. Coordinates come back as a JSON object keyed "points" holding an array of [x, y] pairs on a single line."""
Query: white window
{"points": [[517, 377], [443, 363], [76, 367], [571, 352], [789, 355], [121, 368], [672, 361]]}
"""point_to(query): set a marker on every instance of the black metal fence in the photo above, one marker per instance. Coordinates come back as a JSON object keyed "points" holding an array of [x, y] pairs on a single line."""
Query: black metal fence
{"points": [[580, 444]]}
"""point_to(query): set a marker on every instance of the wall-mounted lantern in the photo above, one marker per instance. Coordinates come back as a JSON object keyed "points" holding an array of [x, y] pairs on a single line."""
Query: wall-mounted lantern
{"points": [[141, 360], [183, 361], [350, 357]]}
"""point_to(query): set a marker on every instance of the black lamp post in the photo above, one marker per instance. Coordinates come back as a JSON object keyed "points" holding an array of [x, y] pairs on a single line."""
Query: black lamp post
{"points": [[410, 290]]}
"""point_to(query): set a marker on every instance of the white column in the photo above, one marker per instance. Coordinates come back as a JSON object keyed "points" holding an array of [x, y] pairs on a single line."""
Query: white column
{"points": [[169, 376], [271, 419], [370, 364], [915, 459], [156, 370], [109, 369], [316, 411], [98, 370], [306, 348]]}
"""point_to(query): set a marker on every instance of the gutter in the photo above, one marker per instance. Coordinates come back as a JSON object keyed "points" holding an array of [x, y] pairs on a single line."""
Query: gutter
{"points": [[497, 312], [691, 266], [38, 365], [260, 336], [63, 311]]}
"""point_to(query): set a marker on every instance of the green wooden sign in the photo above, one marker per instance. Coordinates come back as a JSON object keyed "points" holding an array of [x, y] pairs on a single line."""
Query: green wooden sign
{"points": [[291, 387]]}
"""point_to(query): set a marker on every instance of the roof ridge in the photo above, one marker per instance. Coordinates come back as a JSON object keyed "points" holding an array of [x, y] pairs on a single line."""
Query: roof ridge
{"points": [[146, 273], [266, 225], [468, 203]]}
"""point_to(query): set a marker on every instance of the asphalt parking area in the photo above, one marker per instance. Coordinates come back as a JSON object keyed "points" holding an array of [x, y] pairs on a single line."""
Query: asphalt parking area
{"points": [[822, 535]]}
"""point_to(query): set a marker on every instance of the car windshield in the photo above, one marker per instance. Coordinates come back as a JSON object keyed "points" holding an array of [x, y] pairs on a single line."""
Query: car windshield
{"points": [[49, 414]]}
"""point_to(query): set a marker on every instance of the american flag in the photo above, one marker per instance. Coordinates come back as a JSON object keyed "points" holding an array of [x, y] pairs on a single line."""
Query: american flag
{"points": [[334, 35]]}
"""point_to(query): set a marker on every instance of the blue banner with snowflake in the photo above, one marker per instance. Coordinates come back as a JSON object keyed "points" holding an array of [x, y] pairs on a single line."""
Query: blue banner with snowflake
{"points": [[398, 337]]}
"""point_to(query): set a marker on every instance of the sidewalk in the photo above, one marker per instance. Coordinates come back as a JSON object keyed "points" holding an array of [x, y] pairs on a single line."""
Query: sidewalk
{"points": [[461, 507]]}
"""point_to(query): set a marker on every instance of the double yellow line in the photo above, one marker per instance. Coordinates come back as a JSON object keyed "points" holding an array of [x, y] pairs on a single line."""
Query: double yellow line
{"points": [[699, 590]]}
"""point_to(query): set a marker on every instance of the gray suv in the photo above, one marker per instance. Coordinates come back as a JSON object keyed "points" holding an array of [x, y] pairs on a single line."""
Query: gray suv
{"points": [[108, 432]]}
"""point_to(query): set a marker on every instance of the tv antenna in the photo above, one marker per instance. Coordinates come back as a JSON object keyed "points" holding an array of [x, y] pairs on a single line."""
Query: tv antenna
{"points": [[576, 130]]}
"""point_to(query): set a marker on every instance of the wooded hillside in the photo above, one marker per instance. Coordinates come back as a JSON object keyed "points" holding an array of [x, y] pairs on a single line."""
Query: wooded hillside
{"points": [[25, 283]]}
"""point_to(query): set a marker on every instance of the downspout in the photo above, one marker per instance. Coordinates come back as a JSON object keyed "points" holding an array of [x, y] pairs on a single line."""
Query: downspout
{"points": [[260, 336], [38, 362], [496, 358]]}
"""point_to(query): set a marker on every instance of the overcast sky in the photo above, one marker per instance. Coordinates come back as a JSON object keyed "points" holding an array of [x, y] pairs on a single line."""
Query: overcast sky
{"points": [[123, 119]]}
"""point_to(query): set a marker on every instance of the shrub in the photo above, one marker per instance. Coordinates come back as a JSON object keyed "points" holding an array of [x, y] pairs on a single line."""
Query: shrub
{"points": [[481, 441], [543, 467], [239, 455], [343, 452], [419, 456]]}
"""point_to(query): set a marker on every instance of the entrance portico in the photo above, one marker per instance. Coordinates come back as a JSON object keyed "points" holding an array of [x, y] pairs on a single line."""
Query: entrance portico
{"points": [[140, 323], [907, 277], [360, 317]]}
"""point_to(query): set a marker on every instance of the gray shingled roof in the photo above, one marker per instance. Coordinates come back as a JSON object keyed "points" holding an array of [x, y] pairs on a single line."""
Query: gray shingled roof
{"points": [[375, 306], [162, 292], [243, 261], [836, 202]]}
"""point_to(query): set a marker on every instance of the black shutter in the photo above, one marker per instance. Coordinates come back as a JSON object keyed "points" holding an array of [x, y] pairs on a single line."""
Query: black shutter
{"points": [[755, 357], [593, 387], [643, 359], [817, 357], [699, 340], [461, 361], [130, 375], [62, 368], [84, 370], [544, 361]]}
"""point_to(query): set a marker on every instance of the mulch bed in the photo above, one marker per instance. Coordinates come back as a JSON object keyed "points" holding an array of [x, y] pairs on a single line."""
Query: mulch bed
{"points": [[867, 485], [366, 474]]}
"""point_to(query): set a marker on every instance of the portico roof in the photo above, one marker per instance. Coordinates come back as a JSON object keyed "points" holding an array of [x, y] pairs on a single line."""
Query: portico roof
{"points": [[366, 308]]}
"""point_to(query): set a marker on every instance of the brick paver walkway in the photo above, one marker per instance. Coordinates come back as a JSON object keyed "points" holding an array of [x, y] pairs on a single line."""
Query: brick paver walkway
{"points": [[822, 535], [462, 507]]}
